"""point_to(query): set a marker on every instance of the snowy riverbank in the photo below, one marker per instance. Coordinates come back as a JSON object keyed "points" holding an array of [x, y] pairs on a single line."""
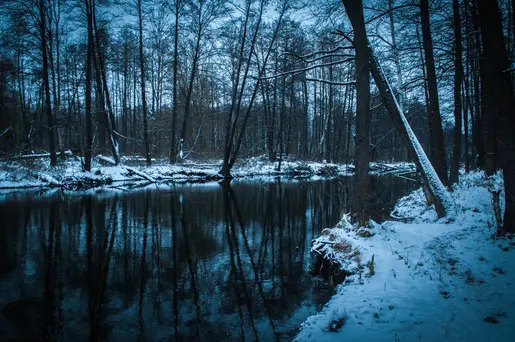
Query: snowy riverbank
{"points": [[433, 280], [36, 172]]}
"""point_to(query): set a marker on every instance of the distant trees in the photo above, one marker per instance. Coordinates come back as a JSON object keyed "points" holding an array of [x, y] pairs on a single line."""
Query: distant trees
{"points": [[224, 81]]}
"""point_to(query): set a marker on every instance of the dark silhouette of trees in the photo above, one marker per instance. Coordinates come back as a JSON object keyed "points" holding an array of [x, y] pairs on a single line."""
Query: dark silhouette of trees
{"points": [[499, 101], [437, 149], [458, 79]]}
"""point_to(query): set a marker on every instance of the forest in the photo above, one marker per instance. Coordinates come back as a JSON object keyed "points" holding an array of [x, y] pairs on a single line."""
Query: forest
{"points": [[345, 107], [207, 79]]}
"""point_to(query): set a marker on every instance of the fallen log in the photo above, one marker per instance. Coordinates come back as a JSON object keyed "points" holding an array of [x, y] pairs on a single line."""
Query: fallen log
{"points": [[41, 155], [128, 168]]}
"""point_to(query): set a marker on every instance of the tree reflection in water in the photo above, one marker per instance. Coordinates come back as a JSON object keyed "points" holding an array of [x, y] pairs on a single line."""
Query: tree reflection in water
{"points": [[185, 263]]}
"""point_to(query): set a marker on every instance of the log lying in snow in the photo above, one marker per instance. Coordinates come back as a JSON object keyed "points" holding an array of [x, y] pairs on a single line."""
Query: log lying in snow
{"points": [[139, 173], [128, 168], [47, 178], [41, 155]]}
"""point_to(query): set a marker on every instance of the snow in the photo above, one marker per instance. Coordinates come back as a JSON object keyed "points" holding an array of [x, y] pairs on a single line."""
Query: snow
{"points": [[26, 172], [433, 281], [433, 181]]}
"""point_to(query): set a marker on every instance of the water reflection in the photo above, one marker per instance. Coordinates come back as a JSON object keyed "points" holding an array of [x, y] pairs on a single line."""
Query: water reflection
{"points": [[188, 263]]}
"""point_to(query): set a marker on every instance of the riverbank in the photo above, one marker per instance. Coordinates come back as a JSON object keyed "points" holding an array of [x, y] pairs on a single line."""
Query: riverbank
{"points": [[418, 278], [34, 172]]}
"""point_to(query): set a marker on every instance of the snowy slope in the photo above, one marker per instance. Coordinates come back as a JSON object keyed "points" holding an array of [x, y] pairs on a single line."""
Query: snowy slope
{"points": [[433, 281]]}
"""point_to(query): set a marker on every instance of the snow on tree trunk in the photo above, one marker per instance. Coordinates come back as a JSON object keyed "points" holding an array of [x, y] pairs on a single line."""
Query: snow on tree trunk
{"points": [[442, 200]]}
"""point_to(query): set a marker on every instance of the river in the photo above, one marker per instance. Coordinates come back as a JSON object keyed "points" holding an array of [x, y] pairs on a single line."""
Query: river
{"points": [[190, 262]]}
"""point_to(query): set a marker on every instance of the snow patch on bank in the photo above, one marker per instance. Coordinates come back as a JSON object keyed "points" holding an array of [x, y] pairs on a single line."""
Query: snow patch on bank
{"points": [[434, 280], [27, 172]]}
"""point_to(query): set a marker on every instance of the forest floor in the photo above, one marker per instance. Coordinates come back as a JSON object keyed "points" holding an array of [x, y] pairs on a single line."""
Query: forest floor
{"points": [[417, 278], [35, 172]]}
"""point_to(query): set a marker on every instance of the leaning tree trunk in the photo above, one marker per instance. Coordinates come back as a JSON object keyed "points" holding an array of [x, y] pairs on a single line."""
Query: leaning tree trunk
{"points": [[442, 200]]}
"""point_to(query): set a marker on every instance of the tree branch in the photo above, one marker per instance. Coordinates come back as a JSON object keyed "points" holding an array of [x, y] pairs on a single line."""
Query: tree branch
{"points": [[331, 82], [305, 69]]}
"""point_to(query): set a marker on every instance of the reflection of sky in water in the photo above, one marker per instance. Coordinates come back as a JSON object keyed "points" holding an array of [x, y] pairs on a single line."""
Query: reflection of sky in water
{"points": [[194, 262]]}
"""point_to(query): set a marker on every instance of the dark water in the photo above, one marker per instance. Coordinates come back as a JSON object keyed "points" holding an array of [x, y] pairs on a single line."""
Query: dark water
{"points": [[186, 263]]}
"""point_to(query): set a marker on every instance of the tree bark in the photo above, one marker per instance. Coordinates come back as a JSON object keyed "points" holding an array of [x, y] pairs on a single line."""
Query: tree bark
{"points": [[46, 84], [500, 99], [89, 115], [354, 11], [143, 92], [173, 139], [443, 204], [437, 149], [109, 114], [458, 77], [396, 59], [189, 93]]}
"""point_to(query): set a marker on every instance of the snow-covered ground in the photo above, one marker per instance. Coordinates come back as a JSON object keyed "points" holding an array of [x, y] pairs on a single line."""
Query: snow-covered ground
{"points": [[433, 280], [26, 172]]}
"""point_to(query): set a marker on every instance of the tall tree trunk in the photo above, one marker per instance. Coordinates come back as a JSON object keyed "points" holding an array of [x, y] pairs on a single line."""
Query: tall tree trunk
{"points": [[305, 120], [189, 93], [437, 149], [110, 120], [443, 204], [396, 58], [458, 77], [477, 121], [500, 99], [173, 139], [143, 92], [354, 11], [46, 84], [89, 114], [125, 97]]}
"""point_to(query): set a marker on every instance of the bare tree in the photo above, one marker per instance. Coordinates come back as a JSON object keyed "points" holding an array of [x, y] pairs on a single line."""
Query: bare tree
{"points": [[354, 11], [458, 78], [437, 149], [500, 102], [89, 63], [442, 200], [146, 140], [46, 83], [177, 8]]}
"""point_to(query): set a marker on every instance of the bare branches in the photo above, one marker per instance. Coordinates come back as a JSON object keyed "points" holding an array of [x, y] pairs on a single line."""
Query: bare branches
{"points": [[350, 83], [5, 131], [320, 52], [296, 71]]}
